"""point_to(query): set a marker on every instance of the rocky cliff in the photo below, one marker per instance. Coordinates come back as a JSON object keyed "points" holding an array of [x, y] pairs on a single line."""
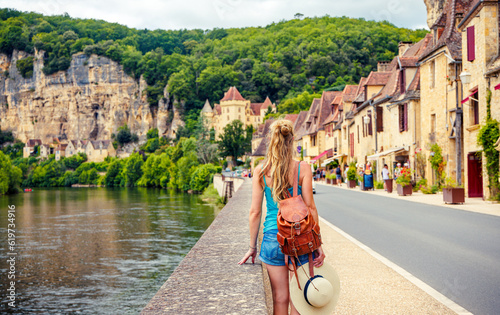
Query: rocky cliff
{"points": [[434, 10], [90, 100]]}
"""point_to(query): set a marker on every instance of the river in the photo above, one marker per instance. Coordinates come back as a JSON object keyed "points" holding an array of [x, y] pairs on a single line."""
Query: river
{"points": [[96, 250]]}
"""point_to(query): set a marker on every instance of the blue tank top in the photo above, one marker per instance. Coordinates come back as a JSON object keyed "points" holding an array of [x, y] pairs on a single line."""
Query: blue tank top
{"points": [[270, 222]]}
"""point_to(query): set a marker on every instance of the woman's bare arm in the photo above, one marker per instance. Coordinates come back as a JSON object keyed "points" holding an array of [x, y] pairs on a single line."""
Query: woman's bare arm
{"points": [[255, 216]]}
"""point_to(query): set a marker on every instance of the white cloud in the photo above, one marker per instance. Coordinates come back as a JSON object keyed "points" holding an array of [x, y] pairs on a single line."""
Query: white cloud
{"points": [[169, 14]]}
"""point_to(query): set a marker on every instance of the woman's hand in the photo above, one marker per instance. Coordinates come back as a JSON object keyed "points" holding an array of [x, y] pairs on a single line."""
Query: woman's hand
{"points": [[252, 252], [318, 261]]}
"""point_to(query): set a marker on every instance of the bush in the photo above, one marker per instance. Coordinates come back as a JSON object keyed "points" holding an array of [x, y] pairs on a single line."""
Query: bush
{"points": [[25, 67], [379, 184], [202, 177], [429, 190], [351, 172]]}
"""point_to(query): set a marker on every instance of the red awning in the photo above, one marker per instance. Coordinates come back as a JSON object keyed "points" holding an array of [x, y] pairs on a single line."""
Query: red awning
{"points": [[497, 87], [319, 156], [471, 95]]}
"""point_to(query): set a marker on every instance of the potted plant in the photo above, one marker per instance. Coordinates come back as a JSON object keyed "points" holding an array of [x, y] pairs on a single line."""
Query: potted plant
{"points": [[351, 176], [452, 192], [404, 182], [332, 178]]}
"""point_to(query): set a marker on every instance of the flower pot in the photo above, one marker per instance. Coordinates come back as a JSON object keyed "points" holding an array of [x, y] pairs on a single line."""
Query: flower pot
{"points": [[388, 185], [405, 190], [328, 181], [454, 195], [333, 181], [351, 184]]}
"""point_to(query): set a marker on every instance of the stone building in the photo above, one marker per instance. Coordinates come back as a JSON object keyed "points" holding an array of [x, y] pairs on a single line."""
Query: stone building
{"points": [[29, 147], [98, 150], [481, 62], [234, 107], [441, 91]]}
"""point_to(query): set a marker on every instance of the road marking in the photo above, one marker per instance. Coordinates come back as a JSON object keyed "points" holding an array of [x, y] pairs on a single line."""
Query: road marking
{"points": [[408, 276]]}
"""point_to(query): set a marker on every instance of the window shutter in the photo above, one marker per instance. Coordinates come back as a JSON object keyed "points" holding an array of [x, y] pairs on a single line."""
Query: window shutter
{"points": [[471, 44], [402, 79], [370, 125], [405, 116], [352, 144], [380, 119], [401, 118]]}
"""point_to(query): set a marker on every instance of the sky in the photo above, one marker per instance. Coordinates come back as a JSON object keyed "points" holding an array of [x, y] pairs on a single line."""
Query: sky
{"points": [[209, 14]]}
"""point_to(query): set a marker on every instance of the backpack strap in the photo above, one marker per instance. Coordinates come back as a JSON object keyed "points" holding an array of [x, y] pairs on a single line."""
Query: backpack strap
{"points": [[296, 179]]}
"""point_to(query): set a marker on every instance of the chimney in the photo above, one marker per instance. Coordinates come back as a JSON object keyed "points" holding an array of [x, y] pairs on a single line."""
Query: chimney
{"points": [[403, 46], [383, 66]]}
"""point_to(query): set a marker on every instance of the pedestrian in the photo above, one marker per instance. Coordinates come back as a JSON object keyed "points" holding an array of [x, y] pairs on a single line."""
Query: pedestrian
{"points": [[397, 171], [385, 175], [338, 174], [274, 180], [346, 168], [323, 173]]}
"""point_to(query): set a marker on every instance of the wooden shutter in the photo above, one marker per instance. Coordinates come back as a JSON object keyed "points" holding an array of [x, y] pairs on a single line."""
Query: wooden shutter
{"points": [[401, 118], [352, 144], [380, 119], [370, 125], [405, 110], [471, 44], [402, 81]]}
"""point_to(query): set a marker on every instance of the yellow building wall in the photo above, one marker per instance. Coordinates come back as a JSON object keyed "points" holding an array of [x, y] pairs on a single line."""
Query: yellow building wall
{"points": [[436, 102]]}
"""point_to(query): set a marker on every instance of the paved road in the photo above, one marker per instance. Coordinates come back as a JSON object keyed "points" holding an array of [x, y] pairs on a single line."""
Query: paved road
{"points": [[455, 252]]}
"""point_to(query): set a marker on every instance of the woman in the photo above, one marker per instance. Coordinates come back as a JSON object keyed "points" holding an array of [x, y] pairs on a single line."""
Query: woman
{"points": [[273, 179]]}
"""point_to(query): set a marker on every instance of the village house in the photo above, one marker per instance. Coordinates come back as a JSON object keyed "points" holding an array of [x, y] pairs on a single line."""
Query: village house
{"points": [[395, 111], [98, 150], [234, 107], [29, 147], [441, 92], [60, 151], [481, 64]]}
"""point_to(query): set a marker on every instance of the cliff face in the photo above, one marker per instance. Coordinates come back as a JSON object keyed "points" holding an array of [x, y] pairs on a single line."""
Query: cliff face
{"points": [[90, 100], [434, 10]]}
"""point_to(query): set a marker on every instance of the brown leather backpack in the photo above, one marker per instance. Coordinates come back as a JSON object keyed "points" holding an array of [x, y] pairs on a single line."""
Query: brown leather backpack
{"points": [[298, 233]]}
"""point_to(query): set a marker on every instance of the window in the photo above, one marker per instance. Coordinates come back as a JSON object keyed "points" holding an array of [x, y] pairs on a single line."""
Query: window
{"points": [[433, 123], [471, 44], [380, 119], [313, 140], [474, 109], [433, 73], [358, 133], [403, 117], [402, 81], [335, 145], [370, 125], [239, 110], [227, 117]]}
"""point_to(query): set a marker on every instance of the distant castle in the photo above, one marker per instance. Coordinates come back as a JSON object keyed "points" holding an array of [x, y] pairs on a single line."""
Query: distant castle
{"points": [[234, 107]]}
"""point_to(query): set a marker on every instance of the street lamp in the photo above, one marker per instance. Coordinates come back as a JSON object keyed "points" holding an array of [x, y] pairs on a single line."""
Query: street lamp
{"points": [[465, 77], [366, 120]]}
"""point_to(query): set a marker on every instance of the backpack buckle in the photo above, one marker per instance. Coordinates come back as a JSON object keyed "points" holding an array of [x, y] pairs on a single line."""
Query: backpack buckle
{"points": [[297, 225]]}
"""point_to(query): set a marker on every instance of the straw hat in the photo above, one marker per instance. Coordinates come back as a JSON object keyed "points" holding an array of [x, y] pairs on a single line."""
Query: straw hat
{"points": [[319, 294]]}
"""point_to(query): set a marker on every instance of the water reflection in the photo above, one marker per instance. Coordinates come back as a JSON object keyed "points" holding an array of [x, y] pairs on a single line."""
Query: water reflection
{"points": [[97, 250]]}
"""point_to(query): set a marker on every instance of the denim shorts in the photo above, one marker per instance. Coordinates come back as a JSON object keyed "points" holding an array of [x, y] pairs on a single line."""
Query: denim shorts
{"points": [[270, 252]]}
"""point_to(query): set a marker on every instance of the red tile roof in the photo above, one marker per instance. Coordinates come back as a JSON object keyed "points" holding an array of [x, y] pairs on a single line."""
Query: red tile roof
{"points": [[232, 95], [378, 78], [33, 142], [292, 117], [451, 37], [218, 109]]}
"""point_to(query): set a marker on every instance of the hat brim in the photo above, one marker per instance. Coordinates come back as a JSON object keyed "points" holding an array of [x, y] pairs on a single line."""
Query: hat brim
{"points": [[297, 295]]}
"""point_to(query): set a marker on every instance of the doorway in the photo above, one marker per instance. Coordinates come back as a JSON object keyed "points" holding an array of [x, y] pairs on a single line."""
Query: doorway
{"points": [[474, 176]]}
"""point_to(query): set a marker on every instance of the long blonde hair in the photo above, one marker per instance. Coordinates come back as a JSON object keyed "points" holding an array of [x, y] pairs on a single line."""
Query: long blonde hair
{"points": [[279, 157]]}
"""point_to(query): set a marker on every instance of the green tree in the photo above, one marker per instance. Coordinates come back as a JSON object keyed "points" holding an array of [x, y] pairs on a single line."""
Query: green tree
{"points": [[10, 176], [133, 169], [235, 141]]}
